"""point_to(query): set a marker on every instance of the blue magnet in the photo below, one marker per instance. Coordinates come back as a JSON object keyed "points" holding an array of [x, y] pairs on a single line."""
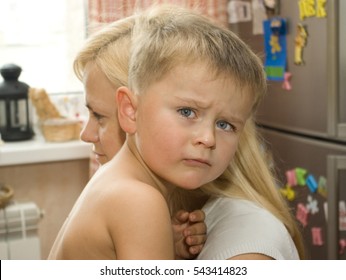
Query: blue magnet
{"points": [[311, 183]]}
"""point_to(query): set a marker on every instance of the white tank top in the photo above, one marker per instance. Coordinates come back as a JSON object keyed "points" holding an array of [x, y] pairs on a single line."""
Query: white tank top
{"points": [[237, 226]]}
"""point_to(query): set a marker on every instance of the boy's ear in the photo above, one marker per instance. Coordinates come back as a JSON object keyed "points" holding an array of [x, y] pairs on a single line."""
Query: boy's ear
{"points": [[127, 107]]}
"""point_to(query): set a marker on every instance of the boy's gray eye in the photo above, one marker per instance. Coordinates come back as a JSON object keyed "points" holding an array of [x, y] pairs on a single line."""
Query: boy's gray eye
{"points": [[225, 125], [186, 112]]}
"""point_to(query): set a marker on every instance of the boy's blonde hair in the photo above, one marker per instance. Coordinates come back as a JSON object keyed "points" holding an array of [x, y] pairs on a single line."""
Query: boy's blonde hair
{"points": [[165, 37]]}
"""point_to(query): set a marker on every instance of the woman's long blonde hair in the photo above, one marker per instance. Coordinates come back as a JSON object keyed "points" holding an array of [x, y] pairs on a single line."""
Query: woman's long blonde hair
{"points": [[251, 176], [109, 51]]}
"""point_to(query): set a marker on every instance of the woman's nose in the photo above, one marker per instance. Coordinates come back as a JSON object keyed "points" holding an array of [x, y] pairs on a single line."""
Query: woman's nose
{"points": [[89, 133]]}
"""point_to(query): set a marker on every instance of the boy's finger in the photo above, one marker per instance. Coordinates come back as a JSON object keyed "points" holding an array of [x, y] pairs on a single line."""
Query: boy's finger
{"points": [[181, 216], [196, 229], [196, 240], [194, 250], [197, 216]]}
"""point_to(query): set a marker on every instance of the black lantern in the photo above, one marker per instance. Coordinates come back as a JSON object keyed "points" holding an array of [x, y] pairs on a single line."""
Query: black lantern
{"points": [[14, 106]]}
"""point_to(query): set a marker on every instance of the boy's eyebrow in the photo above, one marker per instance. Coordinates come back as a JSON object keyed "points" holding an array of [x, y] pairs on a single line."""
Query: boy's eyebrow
{"points": [[203, 105], [199, 104]]}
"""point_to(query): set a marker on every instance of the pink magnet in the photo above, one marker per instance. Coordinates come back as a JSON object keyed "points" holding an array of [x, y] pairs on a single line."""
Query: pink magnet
{"points": [[317, 239], [286, 85], [342, 246], [302, 214], [291, 178]]}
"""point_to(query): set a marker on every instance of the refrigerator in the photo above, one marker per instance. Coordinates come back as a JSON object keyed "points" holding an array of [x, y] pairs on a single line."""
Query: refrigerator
{"points": [[304, 124]]}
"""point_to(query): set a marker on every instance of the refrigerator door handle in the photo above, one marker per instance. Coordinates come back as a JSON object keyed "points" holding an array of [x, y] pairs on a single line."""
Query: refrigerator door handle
{"points": [[337, 63], [336, 69], [334, 165]]}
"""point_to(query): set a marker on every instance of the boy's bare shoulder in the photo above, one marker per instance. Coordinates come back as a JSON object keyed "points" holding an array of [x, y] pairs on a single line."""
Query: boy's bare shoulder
{"points": [[123, 197], [135, 187], [115, 219], [140, 223], [129, 193], [119, 182]]}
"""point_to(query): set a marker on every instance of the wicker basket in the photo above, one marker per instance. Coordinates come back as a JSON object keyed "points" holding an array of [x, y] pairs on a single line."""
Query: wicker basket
{"points": [[54, 127], [6, 193], [60, 129]]}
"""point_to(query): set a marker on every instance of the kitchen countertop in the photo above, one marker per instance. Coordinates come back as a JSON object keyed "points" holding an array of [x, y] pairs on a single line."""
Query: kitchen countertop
{"points": [[38, 150]]}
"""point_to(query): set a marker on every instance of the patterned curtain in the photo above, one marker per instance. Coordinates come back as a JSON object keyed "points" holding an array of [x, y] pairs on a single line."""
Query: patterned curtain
{"points": [[105, 11]]}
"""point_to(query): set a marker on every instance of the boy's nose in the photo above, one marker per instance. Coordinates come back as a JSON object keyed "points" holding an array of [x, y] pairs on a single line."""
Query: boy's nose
{"points": [[206, 137]]}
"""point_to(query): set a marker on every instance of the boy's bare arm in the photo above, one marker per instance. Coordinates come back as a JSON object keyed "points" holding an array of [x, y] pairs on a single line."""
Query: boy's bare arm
{"points": [[143, 230]]}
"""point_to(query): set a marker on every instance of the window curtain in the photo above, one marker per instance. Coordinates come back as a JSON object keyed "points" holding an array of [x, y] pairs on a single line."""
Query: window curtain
{"points": [[105, 11]]}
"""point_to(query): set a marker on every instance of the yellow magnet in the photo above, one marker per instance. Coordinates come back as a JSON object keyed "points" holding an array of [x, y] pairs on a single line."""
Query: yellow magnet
{"points": [[300, 43]]}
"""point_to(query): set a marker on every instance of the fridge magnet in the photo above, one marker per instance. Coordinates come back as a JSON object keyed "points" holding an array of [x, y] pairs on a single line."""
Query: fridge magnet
{"points": [[322, 186], [312, 205], [300, 174], [286, 85], [238, 11], [306, 8], [291, 177], [321, 9], [302, 214], [272, 6], [274, 44], [342, 215], [275, 47], [317, 239], [325, 208], [342, 246], [288, 192], [299, 44], [311, 183]]}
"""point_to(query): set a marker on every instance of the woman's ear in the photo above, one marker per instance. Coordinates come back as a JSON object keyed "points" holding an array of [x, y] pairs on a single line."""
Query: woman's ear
{"points": [[127, 107]]}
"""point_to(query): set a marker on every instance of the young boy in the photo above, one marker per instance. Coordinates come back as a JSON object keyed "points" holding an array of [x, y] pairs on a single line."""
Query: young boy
{"points": [[193, 89], [183, 112]]}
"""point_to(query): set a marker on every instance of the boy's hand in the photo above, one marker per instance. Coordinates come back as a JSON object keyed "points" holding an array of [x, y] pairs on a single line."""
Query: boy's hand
{"points": [[189, 232]]}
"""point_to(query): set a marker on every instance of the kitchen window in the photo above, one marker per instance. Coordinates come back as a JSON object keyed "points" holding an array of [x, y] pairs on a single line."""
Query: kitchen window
{"points": [[43, 37]]}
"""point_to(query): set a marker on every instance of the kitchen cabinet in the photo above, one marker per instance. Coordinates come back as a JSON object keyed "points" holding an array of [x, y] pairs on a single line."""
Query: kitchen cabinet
{"points": [[52, 175]]}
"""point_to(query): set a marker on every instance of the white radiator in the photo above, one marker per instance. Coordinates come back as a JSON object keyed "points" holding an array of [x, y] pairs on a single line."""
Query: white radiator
{"points": [[18, 232]]}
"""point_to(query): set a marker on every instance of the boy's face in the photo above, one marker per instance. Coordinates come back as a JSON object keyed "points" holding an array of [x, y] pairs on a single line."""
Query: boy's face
{"points": [[102, 128], [189, 125]]}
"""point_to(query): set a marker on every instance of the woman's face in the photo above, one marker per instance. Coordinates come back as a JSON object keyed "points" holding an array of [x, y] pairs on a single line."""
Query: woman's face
{"points": [[102, 128]]}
